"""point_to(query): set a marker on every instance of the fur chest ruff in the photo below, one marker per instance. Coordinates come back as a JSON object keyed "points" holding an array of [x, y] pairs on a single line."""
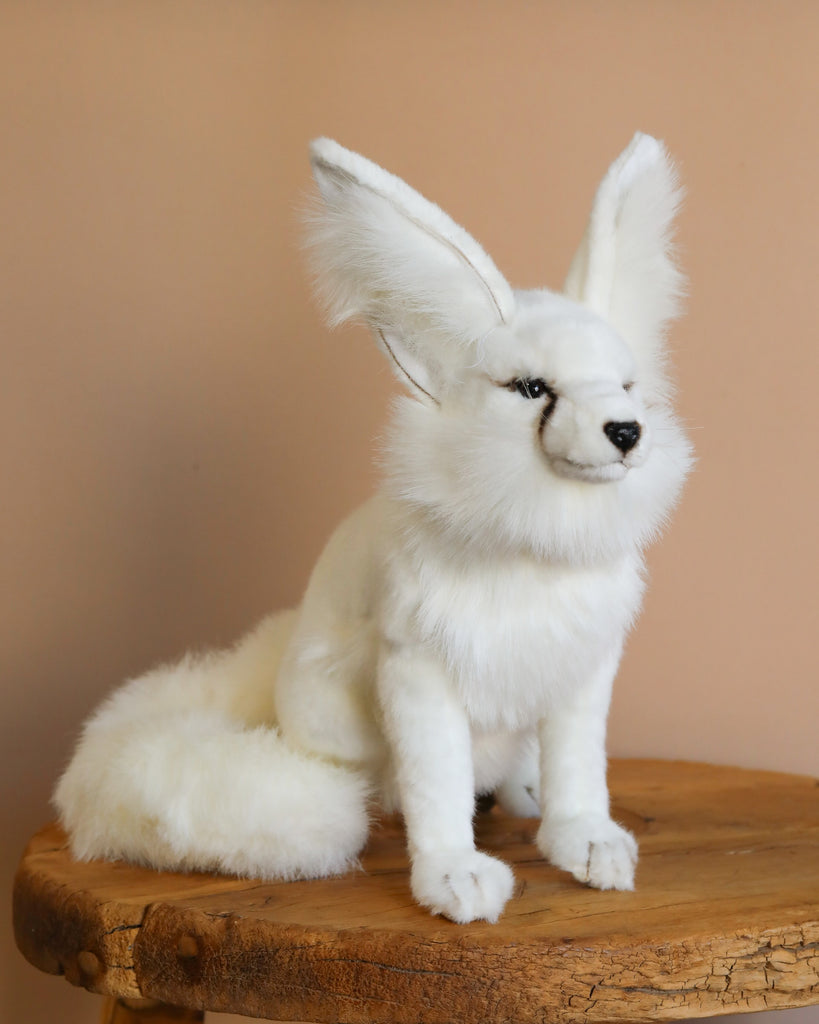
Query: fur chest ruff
{"points": [[517, 636]]}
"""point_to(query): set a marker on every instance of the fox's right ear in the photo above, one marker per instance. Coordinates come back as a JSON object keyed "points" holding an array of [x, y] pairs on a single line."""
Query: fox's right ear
{"points": [[384, 254], [625, 268]]}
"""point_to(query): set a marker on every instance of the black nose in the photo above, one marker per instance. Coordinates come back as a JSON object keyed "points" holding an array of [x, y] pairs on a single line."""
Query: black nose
{"points": [[623, 435]]}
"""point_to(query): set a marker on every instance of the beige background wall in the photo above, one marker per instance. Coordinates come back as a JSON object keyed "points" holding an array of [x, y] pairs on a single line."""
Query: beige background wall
{"points": [[180, 432]]}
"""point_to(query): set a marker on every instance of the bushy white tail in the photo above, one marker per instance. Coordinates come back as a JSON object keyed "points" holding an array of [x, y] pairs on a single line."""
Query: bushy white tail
{"points": [[184, 768]]}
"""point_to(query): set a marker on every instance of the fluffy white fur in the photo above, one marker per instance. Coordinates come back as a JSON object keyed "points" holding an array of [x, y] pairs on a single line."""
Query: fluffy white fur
{"points": [[461, 631]]}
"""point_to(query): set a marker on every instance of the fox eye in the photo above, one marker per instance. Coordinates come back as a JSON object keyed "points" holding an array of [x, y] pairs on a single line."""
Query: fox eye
{"points": [[628, 386], [531, 387]]}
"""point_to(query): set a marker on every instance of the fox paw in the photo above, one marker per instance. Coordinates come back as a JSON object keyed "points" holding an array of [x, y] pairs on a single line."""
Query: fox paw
{"points": [[463, 886], [596, 850]]}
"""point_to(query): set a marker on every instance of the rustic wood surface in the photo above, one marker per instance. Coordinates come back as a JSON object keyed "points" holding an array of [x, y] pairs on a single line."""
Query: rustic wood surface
{"points": [[725, 918]]}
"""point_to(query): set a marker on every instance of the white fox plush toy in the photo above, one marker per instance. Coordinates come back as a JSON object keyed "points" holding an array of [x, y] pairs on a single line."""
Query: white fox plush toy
{"points": [[461, 631]]}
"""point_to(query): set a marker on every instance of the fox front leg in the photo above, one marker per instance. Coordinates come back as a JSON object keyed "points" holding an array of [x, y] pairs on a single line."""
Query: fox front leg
{"points": [[430, 742], [577, 833]]}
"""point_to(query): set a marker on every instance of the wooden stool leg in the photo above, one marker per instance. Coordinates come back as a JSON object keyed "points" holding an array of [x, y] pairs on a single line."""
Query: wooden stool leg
{"points": [[147, 1011]]}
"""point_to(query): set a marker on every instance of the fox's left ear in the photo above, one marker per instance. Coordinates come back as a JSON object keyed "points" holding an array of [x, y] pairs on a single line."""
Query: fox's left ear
{"points": [[624, 269]]}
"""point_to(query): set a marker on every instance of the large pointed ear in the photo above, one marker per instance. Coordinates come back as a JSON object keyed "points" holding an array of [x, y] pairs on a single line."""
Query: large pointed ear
{"points": [[624, 269], [385, 255]]}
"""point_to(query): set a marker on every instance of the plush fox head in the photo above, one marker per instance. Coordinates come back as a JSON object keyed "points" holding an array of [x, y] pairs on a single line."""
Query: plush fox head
{"points": [[535, 419]]}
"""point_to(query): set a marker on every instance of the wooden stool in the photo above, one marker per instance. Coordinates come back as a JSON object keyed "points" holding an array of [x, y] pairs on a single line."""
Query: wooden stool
{"points": [[725, 918]]}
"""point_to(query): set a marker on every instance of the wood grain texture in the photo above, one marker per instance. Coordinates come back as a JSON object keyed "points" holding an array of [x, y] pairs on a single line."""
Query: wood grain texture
{"points": [[725, 918]]}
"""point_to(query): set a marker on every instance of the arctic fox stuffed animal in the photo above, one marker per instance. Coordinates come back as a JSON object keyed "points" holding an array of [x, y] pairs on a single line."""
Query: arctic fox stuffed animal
{"points": [[461, 631]]}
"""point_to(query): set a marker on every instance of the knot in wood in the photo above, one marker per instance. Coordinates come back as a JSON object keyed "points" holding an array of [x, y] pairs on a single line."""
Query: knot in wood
{"points": [[88, 963]]}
